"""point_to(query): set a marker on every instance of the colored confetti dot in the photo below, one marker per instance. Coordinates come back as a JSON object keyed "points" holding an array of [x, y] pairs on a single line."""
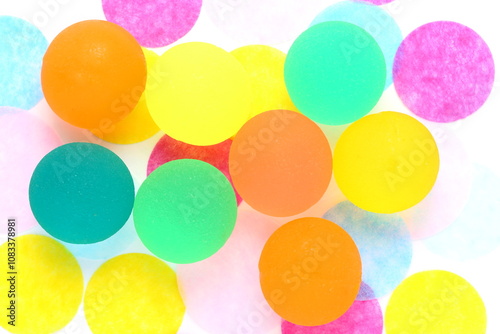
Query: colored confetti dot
{"points": [[384, 244], [154, 23], [310, 271], [378, 2], [168, 149], [25, 141], [136, 126], [81, 193], [473, 234], [185, 211], [335, 73], [453, 185], [265, 65], [201, 95], [93, 74], [48, 285], [453, 67], [133, 293], [362, 317], [258, 21], [435, 301], [376, 21], [229, 298], [280, 163], [22, 47], [386, 162]]}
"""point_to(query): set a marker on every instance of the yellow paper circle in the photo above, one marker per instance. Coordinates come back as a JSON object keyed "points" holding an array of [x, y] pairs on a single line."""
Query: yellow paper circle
{"points": [[133, 293], [386, 162], [435, 301], [47, 287], [266, 66], [201, 94], [136, 126]]}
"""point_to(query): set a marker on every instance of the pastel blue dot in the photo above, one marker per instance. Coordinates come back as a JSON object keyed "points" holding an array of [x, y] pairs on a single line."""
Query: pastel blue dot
{"points": [[384, 244], [22, 47], [476, 232], [375, 20]]}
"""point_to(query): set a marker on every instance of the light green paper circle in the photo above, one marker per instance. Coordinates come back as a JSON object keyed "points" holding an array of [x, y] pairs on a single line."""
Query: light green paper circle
{"points": [[335, 73], [185, 211]]}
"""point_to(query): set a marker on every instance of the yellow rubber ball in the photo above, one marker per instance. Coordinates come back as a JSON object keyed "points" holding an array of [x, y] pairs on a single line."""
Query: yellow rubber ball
{"points": [[200, 94], [386, 162], [42, 287], [134, 293]]}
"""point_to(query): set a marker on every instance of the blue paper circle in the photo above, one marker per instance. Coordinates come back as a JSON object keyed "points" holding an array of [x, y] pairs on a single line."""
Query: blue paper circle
{"points": [[22, 47]]}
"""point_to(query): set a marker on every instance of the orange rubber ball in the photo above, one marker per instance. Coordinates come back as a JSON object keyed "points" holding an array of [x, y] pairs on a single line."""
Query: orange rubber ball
{"points": [[93, 74]]}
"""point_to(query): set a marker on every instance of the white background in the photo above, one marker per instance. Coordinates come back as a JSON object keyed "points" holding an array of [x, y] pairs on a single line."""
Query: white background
{"points": [[479, 133]]}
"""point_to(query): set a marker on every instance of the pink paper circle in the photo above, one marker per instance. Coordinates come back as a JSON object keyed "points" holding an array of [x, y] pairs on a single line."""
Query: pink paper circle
{"points": [[443, 71], [168, 149], [153, 23], [25, 141], [378, 2], [222, 293], [363, 317]]}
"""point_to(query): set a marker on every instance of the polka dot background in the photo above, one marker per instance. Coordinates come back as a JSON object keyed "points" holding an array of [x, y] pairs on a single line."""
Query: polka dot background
{"points": [[461, 237], [154, 23], [22, 47]]}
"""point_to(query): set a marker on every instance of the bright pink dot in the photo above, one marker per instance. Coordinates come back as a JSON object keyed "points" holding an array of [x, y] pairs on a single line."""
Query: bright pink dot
{"points": [[364, 317], [154, 23], [378, 2], [443, 71], [168, 149]]}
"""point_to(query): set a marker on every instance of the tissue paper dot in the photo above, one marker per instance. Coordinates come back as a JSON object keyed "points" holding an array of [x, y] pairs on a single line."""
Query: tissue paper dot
{"points": [[443, 71], [81, 193], [168, 149], [258, 21], [310, 271], [375, 20], [453, 185], [265, 65], [25, 141], [384, 244], [201, 94], [474, 233], [435, 301], [93, 74], [386, 162], [362, 317], [229, 298], [154, 23], [133, 293], [280, 162], [335, 73], [378, 2], [48, 285], [22, 47], [185, 211], [136, 126]]}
